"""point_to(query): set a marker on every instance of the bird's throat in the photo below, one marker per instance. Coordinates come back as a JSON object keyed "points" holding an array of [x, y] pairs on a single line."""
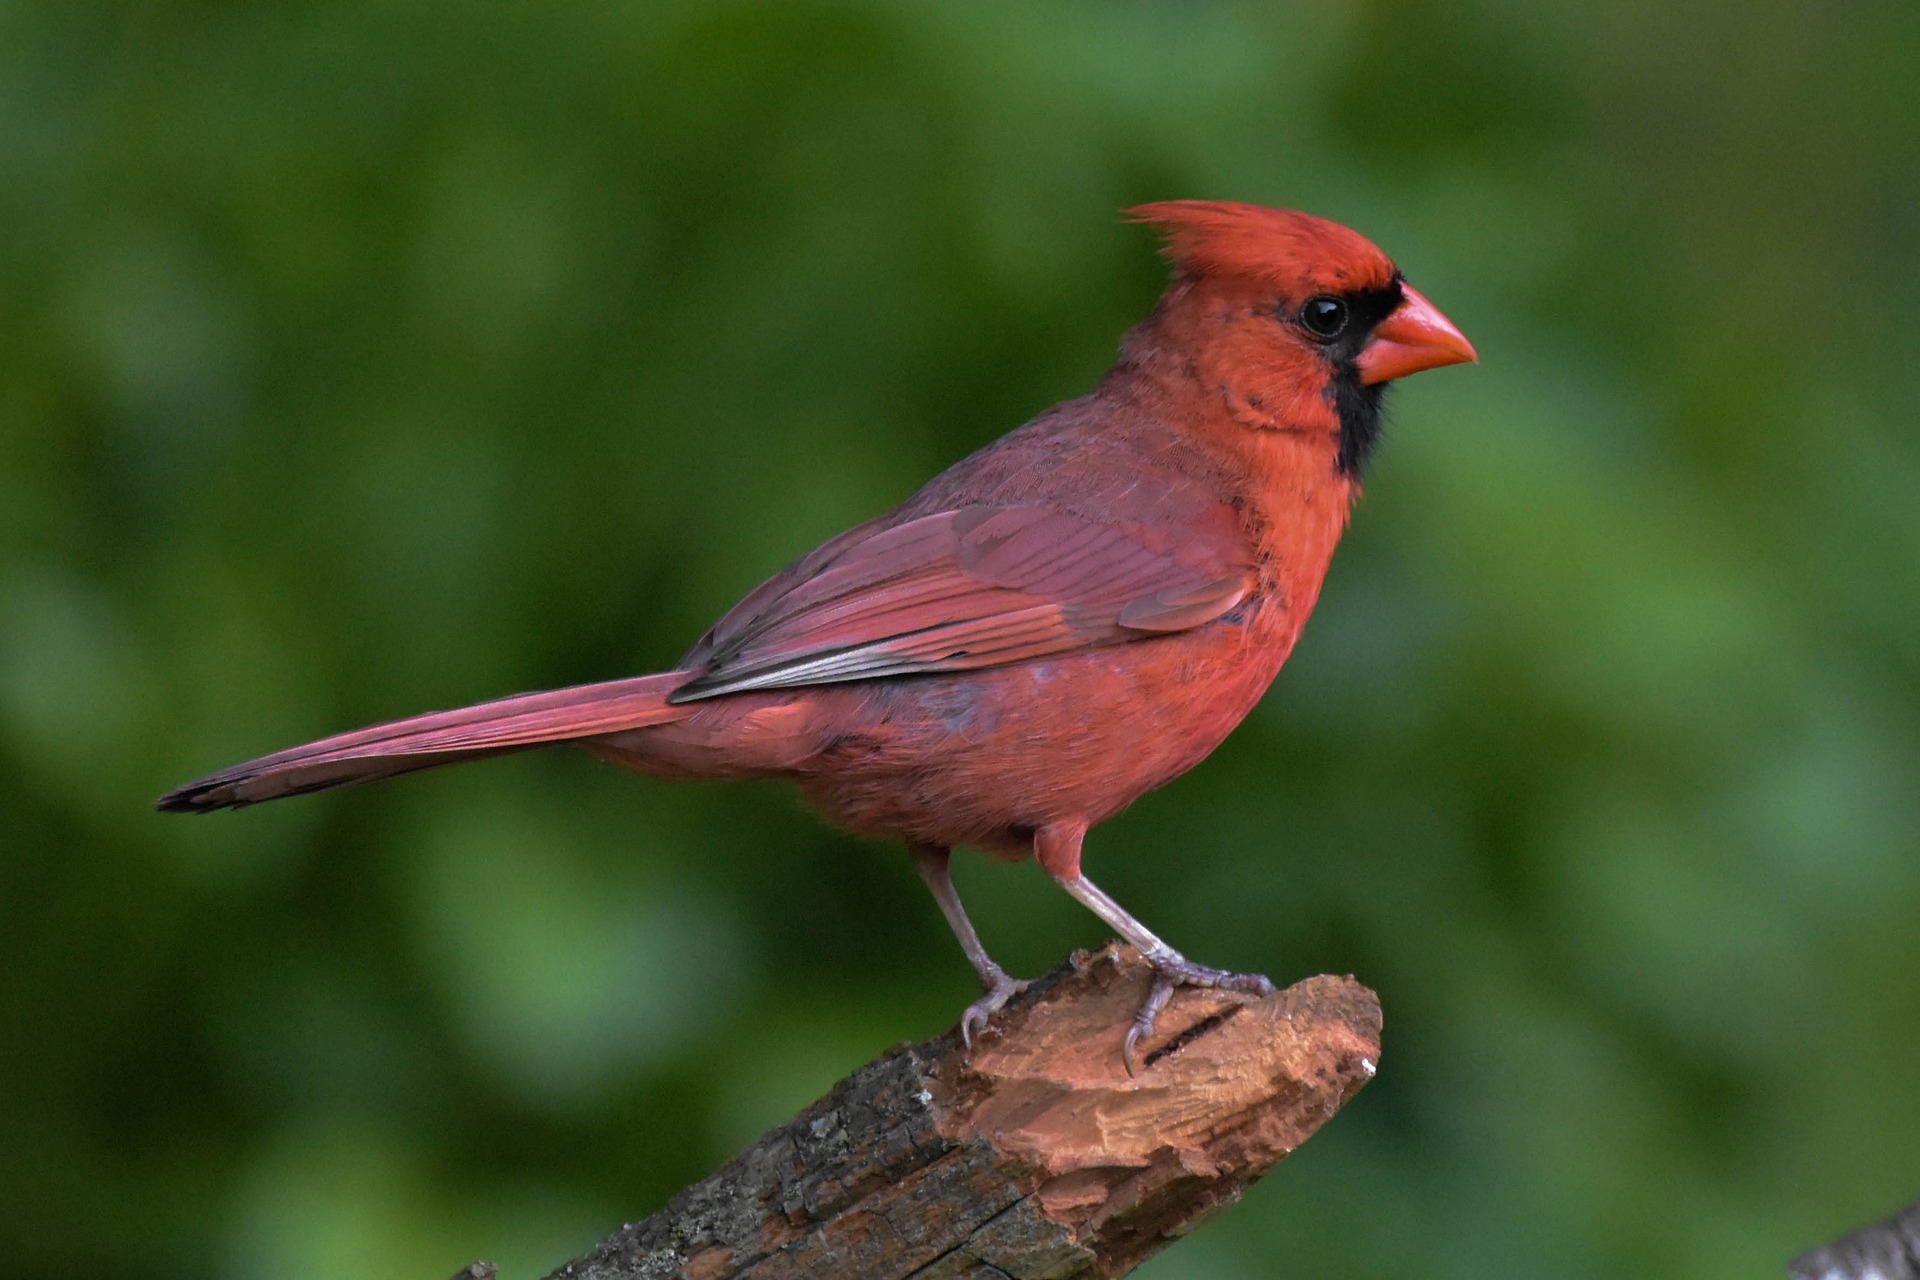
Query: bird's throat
{"points": [[1358, 406]]}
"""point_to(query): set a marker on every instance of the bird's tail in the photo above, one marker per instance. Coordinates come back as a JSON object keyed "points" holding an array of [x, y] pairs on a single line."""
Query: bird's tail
{"points": [[443, 737]]}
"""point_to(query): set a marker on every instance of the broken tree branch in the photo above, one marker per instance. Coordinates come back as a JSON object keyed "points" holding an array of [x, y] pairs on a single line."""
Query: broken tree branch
{"points": [[1033, 1156], [1885, 1250]]}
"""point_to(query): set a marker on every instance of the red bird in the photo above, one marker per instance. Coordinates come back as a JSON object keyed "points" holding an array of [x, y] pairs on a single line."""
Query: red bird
{"points": [[1067, 619]]}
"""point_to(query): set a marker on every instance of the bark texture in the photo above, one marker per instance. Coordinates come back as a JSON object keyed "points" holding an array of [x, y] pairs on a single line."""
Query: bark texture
{"points": [[1888, 1250], [1032, 1157]]}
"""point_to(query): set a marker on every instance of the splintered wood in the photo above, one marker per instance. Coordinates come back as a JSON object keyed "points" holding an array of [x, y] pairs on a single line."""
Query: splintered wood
{"points": [[1032, 1157]]}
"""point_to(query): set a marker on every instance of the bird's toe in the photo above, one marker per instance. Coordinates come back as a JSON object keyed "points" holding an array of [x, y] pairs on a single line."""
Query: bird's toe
{"points": [[1000, 990], [1170, 973]]}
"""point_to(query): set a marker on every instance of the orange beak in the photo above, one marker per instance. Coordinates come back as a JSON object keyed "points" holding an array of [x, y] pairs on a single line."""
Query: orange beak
{"points": [[1415, 337]]}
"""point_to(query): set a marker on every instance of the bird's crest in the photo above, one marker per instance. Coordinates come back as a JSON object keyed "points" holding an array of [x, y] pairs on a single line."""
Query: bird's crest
{"points": [[1294, 251]]}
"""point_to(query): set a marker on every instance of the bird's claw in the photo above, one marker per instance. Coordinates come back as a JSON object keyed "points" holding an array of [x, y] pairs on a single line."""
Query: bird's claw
{"points": [[1170, 973], [1000, 989]]}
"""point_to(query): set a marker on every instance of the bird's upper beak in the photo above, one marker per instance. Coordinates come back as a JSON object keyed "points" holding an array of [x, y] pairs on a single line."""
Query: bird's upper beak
{"points": [[1413, 337]]}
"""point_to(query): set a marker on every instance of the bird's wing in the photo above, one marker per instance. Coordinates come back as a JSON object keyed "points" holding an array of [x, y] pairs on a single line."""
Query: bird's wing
{"points": [[977, 587]]}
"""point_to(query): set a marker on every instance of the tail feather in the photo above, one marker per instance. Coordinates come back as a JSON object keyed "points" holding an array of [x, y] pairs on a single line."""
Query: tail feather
{"points": [[441, 737]]}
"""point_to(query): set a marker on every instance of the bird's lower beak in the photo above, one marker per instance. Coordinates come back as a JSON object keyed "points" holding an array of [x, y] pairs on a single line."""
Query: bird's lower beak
{"points": [[1414, 337]]}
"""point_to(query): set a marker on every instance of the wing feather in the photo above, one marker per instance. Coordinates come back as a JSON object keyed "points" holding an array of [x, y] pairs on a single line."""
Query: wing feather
{"points": [[974, 587]]}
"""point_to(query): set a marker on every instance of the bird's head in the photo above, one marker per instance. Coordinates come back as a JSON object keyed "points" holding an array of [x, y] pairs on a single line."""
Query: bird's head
{"points": [[1300, 322]]}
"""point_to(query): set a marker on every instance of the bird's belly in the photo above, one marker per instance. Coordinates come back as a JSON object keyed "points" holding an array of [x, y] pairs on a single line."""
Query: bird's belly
{"points": [[982, 758]]}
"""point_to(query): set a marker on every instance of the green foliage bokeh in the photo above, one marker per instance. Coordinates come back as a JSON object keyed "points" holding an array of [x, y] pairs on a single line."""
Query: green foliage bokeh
{"points": [[367, 357]]}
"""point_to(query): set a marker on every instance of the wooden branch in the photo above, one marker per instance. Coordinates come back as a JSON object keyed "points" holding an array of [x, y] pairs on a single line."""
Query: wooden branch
{"points": [[1885, 1250], [1032, 1157]]}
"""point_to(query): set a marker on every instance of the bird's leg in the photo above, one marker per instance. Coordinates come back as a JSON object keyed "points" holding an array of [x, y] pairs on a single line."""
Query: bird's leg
{"points": [[999, 988], [1058, 850]]}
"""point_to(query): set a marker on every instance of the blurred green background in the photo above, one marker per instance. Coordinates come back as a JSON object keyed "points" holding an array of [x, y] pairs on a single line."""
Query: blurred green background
{"points": [[367, 357]]}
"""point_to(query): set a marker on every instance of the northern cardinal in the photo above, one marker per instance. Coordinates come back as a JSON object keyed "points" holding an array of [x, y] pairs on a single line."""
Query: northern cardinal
{"points": [[1072, 616]]}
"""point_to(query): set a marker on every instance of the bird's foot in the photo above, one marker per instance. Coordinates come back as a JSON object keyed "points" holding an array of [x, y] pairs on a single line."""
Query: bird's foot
{"points": [[1171, 971], [1000, 989]]}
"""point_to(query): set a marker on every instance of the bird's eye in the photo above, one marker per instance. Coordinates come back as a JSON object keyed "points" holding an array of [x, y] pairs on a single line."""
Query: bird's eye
{"points": [[1324, 317]]}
